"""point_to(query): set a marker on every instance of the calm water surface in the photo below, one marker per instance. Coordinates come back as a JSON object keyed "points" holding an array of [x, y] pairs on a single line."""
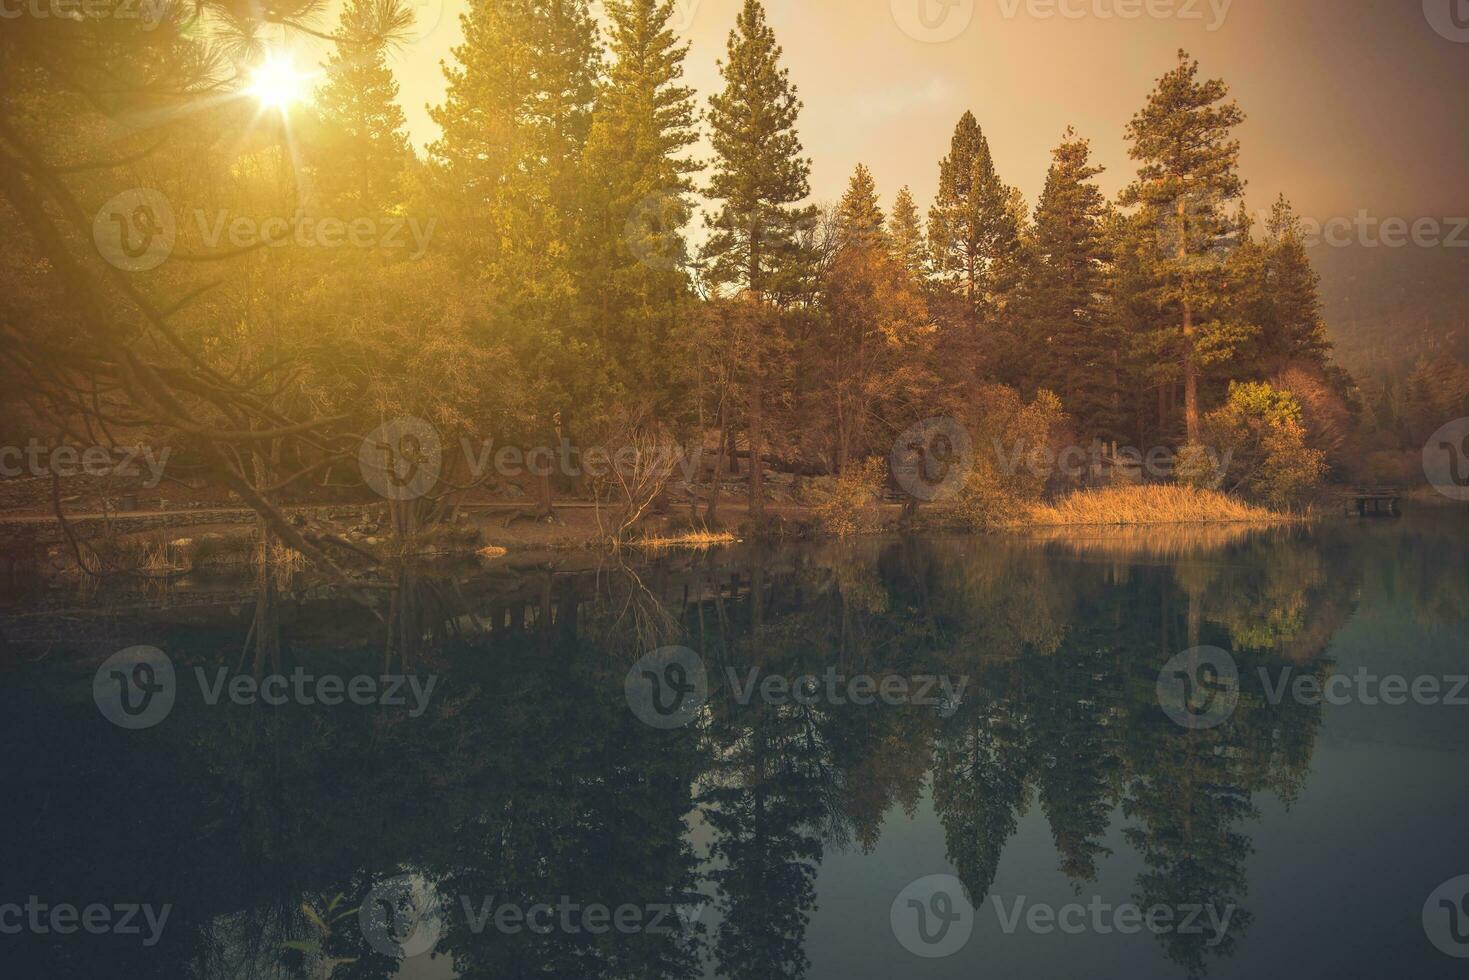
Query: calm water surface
{"points": [[768, 836]]}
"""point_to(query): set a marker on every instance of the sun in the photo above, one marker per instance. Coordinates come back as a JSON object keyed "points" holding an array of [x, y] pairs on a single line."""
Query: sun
{"points": [[276, 83]]}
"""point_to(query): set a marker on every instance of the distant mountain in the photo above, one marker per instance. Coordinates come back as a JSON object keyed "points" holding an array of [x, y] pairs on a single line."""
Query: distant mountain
{"points": [[1386, 307]]}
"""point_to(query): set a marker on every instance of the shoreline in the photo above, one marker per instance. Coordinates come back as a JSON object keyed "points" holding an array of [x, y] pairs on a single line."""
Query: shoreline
{"points": [[37, 539]]}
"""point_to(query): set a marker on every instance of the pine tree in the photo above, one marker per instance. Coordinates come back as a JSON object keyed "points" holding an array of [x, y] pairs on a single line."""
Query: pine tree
{"points": [[759, 176], [638, 176], [759, 172], [1065, 290], [860, 221], [515, 120], [1296, 329], [362, 151], [972, 227], [1189, 174], [867, 350], [910, 247]]}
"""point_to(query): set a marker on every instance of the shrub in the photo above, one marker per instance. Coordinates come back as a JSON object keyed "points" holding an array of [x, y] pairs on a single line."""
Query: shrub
{"points": [[1193, 468], [1003, 483], [851, 505], [1261, 429]]}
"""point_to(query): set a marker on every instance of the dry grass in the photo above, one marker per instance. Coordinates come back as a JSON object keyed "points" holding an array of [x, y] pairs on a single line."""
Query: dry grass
{"points": [[1157, 542], [690, 539], [1135, 506], [280, 557]]}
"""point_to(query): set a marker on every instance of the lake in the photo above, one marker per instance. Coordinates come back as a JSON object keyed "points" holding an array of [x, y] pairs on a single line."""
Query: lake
{"points": [[1223, 753]]}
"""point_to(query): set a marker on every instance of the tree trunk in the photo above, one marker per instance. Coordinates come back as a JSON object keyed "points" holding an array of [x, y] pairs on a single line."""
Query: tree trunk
{"points": [[757, 468], [711, 513], [1190, 378], [1190, 365]]}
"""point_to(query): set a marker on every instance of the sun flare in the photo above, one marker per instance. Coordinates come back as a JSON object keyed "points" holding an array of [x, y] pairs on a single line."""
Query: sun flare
{"points": [[276, 84]]}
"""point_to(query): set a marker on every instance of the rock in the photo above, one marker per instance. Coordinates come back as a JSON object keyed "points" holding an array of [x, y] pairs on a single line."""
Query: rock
{"points": [[181, 544]]}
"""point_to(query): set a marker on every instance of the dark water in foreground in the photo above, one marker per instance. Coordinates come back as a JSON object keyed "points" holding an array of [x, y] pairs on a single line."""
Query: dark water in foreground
{"points": [[520, 818]]}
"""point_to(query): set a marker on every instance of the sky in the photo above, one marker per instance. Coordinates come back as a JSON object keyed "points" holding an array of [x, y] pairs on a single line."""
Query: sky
{"points": [[1351, 105]]}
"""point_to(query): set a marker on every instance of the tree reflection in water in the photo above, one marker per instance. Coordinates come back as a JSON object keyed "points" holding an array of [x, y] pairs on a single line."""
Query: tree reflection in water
{"points": [[529, 781]]}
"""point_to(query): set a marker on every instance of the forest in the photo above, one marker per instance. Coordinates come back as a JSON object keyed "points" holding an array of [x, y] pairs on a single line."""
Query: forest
{"points": [[217, 250]]}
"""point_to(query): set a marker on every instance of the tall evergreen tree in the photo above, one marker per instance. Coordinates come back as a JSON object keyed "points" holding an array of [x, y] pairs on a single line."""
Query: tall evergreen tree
{"points": [[638, 175], [910, 247], [1296, 328], [868, 347], [515, 119], [1184, 140], [1065, 301], [860, 221], [972, 228], [362, 150], [759, 177], [514, 122]]}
